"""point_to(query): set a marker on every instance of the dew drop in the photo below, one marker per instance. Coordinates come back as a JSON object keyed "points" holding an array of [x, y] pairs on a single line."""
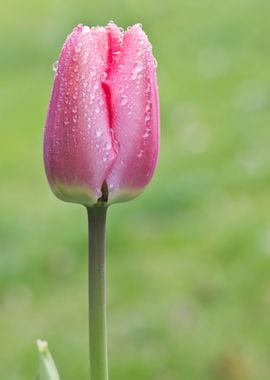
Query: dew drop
{"points": [[78, 47], [55, 66], [140, 154], [148, 106], [146, 133], [92, 70], [85, 29], [98, 132], [108, 146], [103, 76], [155, 63], [66, 121], [120, 68], [101, 102], [137, 69], [75, 95], [74, 109], [123, 100], [75, 57], [147, 118]]}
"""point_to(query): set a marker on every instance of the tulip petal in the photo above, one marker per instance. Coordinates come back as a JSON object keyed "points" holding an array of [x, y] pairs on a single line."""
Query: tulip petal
{"points": [[78, 148], [135, 113]]}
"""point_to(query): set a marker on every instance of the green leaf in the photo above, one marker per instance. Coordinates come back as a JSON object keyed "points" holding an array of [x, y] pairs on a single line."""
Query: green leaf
{"points": [[47, 370]]}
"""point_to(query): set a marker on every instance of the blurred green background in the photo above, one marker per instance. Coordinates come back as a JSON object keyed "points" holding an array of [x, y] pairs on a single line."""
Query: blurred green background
{"points": [[188, 262]]}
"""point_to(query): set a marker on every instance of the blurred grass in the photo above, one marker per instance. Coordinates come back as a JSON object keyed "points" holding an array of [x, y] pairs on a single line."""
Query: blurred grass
{"points": [[188, 261]]}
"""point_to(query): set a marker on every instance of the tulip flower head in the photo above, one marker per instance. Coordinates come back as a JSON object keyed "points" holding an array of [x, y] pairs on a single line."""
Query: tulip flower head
{"points": [[101, 137]]}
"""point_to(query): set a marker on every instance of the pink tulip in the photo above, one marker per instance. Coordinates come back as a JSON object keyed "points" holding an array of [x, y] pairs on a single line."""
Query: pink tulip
{"points": [[102, 129]]}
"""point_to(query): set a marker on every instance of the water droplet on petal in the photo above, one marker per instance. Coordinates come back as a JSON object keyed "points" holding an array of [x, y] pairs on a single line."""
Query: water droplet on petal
{"points": [[120, 68], [108, 146], [146, 133], [123, 100], [147, 118], [74, 109], [103, 76], [138, 66], [78, 47], [155, 63], [98, 132], [140, 154], [92, 70], [55, 66], [85, 29], [116, 54], [148, 106]]}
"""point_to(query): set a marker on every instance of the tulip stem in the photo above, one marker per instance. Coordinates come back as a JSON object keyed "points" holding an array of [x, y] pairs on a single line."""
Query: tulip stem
{"points": [[97, 293]]}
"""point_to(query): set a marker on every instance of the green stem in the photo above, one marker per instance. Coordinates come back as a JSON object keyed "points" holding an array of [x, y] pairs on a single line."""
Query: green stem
{"points": [[97, 293]]}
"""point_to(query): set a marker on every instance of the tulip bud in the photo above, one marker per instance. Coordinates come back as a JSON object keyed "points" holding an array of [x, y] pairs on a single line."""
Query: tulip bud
{"points": [[102, 130]]}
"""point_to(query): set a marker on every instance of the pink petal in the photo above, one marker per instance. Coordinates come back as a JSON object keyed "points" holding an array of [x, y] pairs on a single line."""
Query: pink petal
{"points": [[78, 148], [135, 112]]}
